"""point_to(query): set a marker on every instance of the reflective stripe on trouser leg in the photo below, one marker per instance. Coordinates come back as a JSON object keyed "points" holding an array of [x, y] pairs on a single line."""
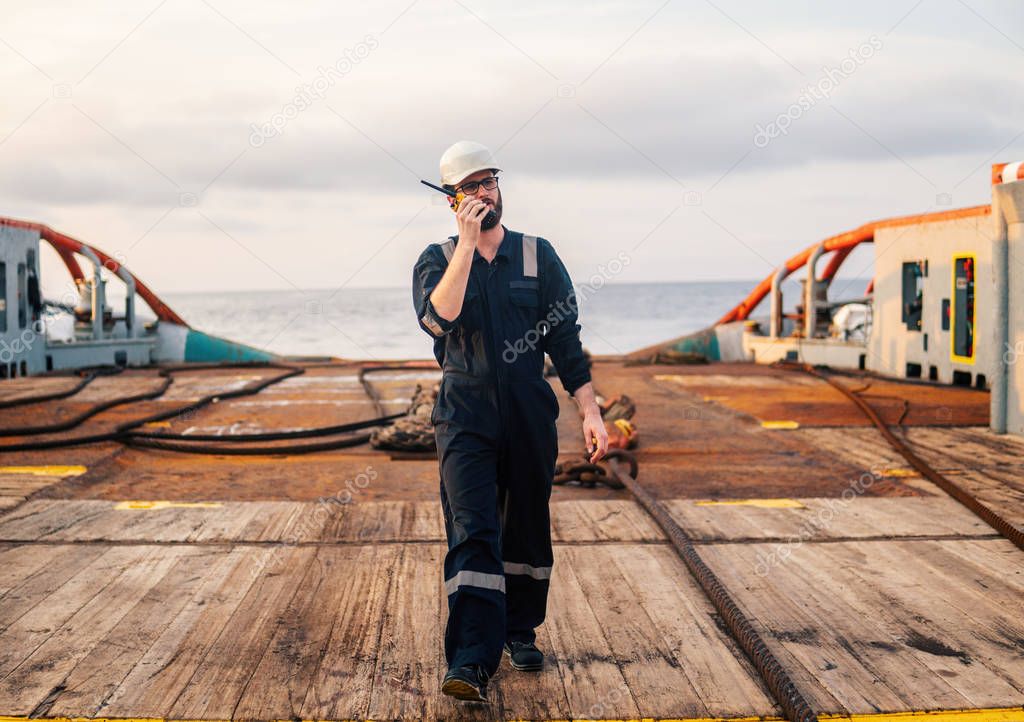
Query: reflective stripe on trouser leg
{"points": [[535, 572], [475, 579]]}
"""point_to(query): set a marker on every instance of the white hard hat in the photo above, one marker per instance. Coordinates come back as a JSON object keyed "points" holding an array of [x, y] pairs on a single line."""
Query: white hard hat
{"points": [[463, 159]]}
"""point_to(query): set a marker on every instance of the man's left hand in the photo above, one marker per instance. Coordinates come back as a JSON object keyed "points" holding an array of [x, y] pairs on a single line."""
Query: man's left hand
{"points": [[595, 436]]}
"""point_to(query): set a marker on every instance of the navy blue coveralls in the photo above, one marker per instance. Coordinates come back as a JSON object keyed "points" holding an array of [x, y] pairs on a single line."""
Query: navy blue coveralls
{"points": [[494, 423]]}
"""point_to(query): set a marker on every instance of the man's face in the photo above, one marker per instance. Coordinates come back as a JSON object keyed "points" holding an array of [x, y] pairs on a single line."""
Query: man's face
{"points": [[491, 197]]}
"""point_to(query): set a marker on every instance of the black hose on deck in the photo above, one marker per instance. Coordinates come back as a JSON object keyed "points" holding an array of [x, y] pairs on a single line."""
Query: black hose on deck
{"points": [[352, 440], [270, 435], [88, 375], [77, 420], [125, 433], [121, 431]]}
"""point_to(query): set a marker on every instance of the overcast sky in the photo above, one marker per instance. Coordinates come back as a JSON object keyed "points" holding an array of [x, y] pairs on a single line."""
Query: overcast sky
{"points": [[222, 144]]}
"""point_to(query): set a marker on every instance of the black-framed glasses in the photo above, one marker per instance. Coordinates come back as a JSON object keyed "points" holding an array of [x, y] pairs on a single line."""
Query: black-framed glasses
{"points": [[488, 184]]}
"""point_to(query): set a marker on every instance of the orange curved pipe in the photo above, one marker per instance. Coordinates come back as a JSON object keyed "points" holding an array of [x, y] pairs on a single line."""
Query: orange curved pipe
{"points": [[844, 242], [66, 245], [834, 263], [71, 263]]}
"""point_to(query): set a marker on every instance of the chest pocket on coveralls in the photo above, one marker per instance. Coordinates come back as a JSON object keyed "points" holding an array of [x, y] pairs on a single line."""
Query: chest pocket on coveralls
{"points": [[524, 293]]}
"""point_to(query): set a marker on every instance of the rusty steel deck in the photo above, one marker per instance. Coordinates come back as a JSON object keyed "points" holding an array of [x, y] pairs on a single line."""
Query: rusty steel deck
{"points": [[140, 583]]}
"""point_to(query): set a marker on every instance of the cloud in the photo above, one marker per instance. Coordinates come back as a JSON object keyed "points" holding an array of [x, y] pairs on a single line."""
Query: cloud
{"points": [[615, 111]]}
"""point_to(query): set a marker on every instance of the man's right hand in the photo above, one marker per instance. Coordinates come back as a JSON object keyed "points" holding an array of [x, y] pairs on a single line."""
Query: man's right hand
{"points": [[470, 214]]}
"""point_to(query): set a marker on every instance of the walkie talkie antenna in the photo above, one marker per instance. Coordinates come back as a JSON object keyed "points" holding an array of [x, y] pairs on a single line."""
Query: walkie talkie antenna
{"points": [[439, 188]]}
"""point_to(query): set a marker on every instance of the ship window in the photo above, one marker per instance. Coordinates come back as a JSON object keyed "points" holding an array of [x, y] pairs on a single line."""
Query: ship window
{"points": [[913, 294], [3, 297], [22, 296], [963, 308]]}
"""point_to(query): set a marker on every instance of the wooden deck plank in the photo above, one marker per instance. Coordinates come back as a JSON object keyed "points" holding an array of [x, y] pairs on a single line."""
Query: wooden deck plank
{"points": [[30, 630], [828, 518], [153, 685], [269, 516], [224, 523], [48, 666], [311, 522], [109, 523], [856, 626], [95, 520], [282, 679], [60, 563], [422, 520], [656, 680], [406, 678], [986, 557], [724, 680], [277, 524], [344, 678], [594, 685], [376, 521], [18, 562], [967, 447], [36, 518], [85, 519], [937, 633], [617, 520], [95, 678], [568, 523], [831, 678], [144, 525], [222, 677], [882, 610]]}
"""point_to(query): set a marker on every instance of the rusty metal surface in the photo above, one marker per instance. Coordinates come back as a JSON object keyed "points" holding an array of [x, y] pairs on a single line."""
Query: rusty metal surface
{"points": [[700, 427]]}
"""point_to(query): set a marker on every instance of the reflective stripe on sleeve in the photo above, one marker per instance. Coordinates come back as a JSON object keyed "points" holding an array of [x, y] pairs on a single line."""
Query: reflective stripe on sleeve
{"points": [[432, 324]]}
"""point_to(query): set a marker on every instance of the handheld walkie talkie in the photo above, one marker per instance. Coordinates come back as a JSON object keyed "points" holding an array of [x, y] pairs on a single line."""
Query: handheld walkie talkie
{"points": [[488, 221]]}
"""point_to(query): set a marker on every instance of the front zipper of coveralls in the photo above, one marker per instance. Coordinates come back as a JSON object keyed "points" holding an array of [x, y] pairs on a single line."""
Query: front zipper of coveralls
{"points": [[499, 377]]}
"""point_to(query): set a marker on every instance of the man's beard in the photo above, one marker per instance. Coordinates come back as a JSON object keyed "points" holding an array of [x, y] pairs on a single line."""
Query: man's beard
{"points": [[486, 224]]}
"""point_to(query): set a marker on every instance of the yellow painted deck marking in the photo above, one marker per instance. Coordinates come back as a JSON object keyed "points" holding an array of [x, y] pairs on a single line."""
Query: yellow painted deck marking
{"points": [[163, 505], [43, 471], [999, 714], [899, 473], [762, 503], [160, 424], [780, 424]]}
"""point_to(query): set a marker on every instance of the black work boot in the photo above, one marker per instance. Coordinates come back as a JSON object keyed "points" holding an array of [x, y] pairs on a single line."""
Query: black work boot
{"points": [[524, 656], [468, 683]]}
